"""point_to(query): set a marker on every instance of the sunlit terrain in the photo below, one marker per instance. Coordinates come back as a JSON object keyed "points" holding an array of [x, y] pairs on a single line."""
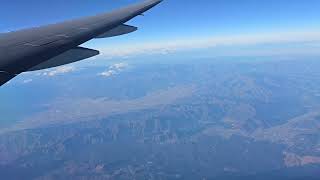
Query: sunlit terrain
{"points": [[229, 118]]}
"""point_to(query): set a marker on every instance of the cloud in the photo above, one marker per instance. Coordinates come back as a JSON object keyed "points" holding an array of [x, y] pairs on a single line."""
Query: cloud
{"points": [[59, 70], [119, 66], [114, 69], [27, 81], [174, 45], [108, 73]]}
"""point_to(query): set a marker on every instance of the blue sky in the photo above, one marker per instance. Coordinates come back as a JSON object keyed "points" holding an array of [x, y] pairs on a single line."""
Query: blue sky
{"points": [[179, 29], [174, 17], [176, 23]]}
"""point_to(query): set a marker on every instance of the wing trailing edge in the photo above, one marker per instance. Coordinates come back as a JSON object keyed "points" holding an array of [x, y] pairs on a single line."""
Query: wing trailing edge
{"points": [[118, 31], [70, 56], [5, 77]]}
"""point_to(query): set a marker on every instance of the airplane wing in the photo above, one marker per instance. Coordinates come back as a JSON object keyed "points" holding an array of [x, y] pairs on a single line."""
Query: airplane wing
{"points": [[58, 44]]}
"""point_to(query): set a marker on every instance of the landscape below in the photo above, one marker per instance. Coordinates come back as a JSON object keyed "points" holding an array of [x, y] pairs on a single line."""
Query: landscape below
{"points": [[213, 119]]}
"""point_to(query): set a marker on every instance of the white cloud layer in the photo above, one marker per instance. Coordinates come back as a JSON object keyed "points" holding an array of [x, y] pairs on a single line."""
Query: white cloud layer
{"points": [[169, 46]]}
